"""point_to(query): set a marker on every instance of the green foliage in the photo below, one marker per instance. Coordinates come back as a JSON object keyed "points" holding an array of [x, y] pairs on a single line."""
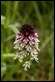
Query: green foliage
{"points": [[41, 15]]}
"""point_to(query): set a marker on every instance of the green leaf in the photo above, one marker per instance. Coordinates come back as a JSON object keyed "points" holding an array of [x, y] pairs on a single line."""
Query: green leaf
{"points": [[13, 28], [3, 69], [8, 55], [2, 20], [11, 72], [6, 25]]}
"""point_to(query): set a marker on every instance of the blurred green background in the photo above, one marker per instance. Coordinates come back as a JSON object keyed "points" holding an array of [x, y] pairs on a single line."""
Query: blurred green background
{"points": [[41, 15]]}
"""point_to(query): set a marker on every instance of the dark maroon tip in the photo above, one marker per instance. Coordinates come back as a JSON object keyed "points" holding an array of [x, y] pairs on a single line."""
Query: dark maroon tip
{"points": [[27, 29]]}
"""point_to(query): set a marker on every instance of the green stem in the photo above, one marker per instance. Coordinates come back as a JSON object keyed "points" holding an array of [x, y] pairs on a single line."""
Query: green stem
{"points": [[23, 75]]}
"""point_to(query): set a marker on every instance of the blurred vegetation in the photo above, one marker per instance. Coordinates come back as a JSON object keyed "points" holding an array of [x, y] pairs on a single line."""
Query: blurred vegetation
{"points": [[41, 15]]}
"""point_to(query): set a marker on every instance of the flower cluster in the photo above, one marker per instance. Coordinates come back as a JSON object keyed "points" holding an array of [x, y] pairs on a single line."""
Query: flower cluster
{"points": [[26, 43]]}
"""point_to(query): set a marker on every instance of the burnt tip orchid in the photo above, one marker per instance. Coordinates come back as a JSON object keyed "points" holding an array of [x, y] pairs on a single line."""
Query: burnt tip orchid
{"points": [[26, 43]]}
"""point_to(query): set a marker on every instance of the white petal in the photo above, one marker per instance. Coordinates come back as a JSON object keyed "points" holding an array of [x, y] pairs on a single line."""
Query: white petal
{"points": [[26, 65], [15, 47], [31, 58], [15, 41], [20, 60], [28, 47], [36, 40], [37, 48], [17, 36], [30, 42], [19, 47], [25, 68], [36, 34], [25, 40], [31, 38], [35, 51], [33, 42]]}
